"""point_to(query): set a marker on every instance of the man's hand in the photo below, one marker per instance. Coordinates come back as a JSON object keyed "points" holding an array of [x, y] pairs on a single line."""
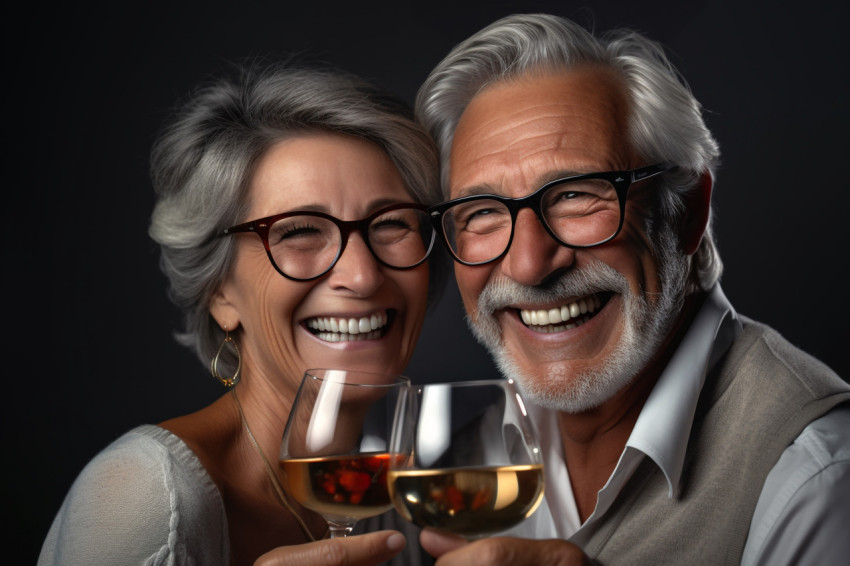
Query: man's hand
{"points": [[360, 550], [507, 551]]}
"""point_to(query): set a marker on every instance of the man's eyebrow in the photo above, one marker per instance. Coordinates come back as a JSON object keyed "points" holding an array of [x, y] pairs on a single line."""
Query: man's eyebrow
{"points": [[548, 177], [476, 190], [560, 174]]}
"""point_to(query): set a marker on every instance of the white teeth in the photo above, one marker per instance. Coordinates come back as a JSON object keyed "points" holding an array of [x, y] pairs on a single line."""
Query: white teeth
{"points": [[344, 329], [555, 316], [549, 329], [337, 337]]}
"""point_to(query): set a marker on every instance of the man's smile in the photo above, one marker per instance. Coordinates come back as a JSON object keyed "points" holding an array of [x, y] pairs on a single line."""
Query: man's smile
{"points": [[565, 317]]}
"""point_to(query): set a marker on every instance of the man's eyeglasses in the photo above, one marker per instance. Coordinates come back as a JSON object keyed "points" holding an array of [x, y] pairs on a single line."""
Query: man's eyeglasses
{"points": [[579, 212], [305, 245]]}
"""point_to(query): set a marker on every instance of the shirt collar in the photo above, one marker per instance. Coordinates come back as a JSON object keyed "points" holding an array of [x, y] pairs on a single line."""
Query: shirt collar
{"points": [[664, 424]]}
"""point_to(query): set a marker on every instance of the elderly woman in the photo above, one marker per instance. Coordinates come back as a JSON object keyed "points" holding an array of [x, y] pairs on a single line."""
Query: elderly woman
{"points": [[250, 169]]}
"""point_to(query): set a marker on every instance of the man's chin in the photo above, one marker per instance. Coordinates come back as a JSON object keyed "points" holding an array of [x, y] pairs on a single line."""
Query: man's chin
{"points": [[564, 387]]}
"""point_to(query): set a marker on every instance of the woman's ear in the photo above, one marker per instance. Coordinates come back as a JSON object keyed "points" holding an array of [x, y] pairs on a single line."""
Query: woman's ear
{"points": [[697, 209], [224, 311]]}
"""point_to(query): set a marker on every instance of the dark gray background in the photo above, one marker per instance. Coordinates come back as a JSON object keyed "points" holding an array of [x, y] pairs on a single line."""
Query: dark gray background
{"points": [[88, 345]]}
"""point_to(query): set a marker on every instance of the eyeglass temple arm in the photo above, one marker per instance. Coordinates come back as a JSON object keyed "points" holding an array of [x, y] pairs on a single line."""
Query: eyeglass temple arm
{"points": [[649, 171], [245, 227]]}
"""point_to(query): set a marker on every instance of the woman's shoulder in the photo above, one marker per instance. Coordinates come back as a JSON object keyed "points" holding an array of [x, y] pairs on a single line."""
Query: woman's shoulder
{"points": [[209, 435], [141, 496], [158, 449], [152, 461], [148, 458]]}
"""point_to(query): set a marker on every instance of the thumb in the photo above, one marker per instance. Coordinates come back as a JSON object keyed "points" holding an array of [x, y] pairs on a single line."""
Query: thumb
{"points": [[360, 550], [437, 543]]}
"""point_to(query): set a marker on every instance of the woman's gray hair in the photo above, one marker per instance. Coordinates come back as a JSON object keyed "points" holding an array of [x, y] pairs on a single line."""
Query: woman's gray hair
{"points": [[665, 122], [203, 161]]}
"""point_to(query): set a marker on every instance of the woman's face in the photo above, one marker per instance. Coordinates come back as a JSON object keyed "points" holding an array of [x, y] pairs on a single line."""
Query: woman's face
{"points": [[276, 318]]}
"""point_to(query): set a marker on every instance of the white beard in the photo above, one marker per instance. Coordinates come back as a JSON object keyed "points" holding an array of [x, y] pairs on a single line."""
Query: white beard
{"points": [[645, 326]]}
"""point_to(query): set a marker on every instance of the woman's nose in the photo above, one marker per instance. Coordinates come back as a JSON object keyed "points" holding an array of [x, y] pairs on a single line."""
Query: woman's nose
{"points": [[356, 270]]}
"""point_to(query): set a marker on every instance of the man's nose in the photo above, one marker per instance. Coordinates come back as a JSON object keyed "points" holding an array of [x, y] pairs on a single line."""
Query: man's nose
{"points": [[534, 254]]}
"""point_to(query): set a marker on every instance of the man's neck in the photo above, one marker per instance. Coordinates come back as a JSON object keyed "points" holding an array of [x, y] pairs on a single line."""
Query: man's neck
{"points": [[594, 440]]}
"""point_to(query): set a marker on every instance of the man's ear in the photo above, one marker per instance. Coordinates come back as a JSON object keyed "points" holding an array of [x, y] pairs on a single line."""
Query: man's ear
{"points": [[695, 219], [224, 311]]}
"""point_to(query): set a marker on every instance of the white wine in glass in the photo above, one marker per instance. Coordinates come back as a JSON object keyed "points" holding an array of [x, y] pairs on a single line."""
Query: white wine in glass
{"points": [[334, 454], [464, 458]]}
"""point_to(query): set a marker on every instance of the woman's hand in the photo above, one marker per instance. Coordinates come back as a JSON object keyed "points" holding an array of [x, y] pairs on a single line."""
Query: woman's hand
{"points": [[357, 550], [508, 551]]}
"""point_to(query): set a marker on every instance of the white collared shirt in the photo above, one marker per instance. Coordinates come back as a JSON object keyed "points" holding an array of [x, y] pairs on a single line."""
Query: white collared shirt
{"points": [[818, 462]]}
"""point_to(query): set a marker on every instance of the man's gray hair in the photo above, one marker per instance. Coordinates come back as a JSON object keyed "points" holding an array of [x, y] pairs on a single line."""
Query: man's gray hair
{"points": [[203, 161], [665, 121]]}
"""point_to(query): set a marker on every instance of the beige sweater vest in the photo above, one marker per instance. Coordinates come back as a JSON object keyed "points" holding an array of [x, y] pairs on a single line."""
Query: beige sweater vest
{"points": [[755, 403]]}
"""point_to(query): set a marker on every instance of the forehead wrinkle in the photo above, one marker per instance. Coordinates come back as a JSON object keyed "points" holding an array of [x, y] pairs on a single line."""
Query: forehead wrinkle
{"points": [[554, 124], [291, 176]]}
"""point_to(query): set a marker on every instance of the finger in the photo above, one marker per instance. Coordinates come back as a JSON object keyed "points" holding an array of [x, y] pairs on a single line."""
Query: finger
{"points": [[360, 550], [436, 543], [507, 551]]}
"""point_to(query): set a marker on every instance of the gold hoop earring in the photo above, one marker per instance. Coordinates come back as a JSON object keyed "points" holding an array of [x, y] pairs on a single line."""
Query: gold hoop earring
{"points": [[234, 379]]}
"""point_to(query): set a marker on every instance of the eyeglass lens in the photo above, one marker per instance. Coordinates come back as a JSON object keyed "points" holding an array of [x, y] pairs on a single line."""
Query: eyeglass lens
{"points": [[583, 212], [306, 246]]}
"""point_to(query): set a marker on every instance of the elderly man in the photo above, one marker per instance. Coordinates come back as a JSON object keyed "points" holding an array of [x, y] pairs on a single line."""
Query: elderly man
{"points": [[674, 430]]}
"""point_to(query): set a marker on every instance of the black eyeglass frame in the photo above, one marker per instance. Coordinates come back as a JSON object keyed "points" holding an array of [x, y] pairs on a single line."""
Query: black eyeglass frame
{"points": [[261, 227], [621, 180]]}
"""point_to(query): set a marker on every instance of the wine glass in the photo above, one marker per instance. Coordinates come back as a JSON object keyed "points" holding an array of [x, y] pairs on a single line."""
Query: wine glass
{"points": [[464, 458], [334, 453]]}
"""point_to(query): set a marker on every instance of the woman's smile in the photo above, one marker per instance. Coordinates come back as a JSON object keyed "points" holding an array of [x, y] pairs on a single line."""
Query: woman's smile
{"points": [[352, 328]]}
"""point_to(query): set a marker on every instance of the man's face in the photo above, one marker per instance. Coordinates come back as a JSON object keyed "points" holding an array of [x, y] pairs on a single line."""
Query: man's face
{"points": [[514, 137]]}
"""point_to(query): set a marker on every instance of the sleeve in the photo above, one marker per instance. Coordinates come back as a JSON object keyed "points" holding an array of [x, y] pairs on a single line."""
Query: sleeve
{"points": [[118, 511], [802, 514]]}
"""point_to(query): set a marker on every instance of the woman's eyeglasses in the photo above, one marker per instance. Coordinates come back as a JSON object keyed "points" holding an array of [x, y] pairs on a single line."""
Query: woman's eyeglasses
{"points": [[305, 245]]}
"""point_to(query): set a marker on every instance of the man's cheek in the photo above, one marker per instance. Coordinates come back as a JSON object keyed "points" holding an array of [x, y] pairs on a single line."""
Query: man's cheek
{"points": [[470, 286]]}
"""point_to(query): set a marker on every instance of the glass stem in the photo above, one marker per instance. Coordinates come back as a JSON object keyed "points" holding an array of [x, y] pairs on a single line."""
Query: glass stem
{"points": [[339, 530]]}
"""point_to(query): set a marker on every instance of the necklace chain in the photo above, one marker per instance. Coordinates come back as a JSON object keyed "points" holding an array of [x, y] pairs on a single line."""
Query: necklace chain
{"points": [[272, 475]]}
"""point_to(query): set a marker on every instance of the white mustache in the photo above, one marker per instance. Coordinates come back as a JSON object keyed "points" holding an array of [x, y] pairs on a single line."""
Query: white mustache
{"points": [[594, 278]]}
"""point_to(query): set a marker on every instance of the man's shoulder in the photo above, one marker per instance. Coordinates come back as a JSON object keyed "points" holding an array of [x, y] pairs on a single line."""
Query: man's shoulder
{"points": [[761, 347], [765, 392], [806, 497]]}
